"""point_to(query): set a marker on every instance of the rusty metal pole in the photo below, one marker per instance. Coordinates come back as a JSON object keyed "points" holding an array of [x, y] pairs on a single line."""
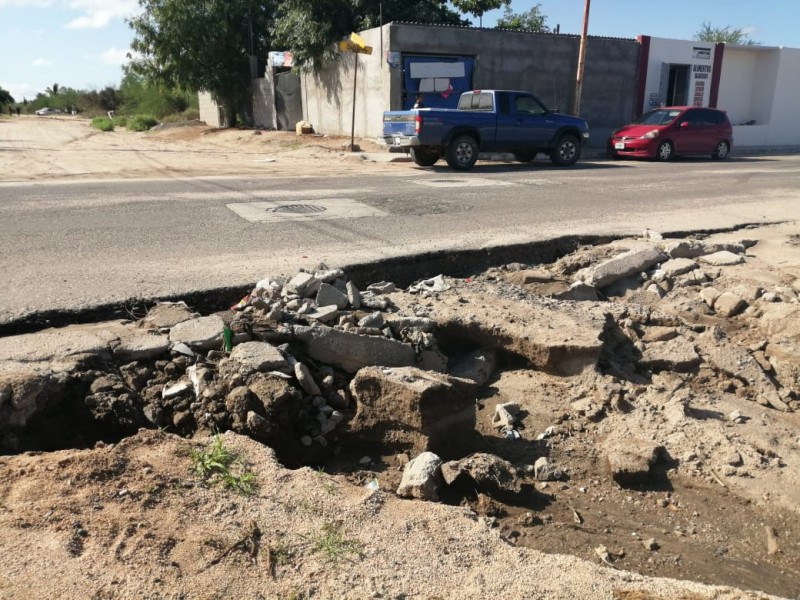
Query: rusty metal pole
{"points": [[581, 62]]}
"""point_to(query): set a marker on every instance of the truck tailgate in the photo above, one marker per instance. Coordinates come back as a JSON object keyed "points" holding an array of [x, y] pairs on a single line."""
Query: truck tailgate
{"points": [[399, 123]]}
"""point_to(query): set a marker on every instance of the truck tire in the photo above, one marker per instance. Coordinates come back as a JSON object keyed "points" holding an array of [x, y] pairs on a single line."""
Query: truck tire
{"points": [[462, 153], [424, 156], [566, 152]]}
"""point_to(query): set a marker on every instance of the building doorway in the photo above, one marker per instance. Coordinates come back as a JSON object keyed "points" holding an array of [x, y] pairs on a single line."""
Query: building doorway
{"points": [[678, 85]]}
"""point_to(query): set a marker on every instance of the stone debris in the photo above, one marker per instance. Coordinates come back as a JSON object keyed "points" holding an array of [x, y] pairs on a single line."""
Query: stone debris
{"points": [[421, 478], [491, 473], [630, 460], [723, 258], [624, 265], [204, 333]]}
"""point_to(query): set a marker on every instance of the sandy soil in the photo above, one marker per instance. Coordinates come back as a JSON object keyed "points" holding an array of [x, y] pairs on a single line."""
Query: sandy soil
{"points": [[65, 147]]}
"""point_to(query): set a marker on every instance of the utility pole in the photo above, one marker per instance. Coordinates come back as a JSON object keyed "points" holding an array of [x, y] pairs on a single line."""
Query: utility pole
{"points": [[581, 62]]}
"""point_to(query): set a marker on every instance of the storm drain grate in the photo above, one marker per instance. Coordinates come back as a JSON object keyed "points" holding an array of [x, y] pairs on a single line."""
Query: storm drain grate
{"points": [[298, 209]]}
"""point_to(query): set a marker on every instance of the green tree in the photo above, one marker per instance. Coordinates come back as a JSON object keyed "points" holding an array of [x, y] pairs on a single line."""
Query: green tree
{"points": [[726, 34], [203, 45], [477, 8], [53, 90], [5, 97], [310, 28], [530, 20]]}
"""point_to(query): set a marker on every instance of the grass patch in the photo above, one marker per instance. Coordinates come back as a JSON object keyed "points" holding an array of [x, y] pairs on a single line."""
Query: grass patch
{"points": [[218, 465], [332, 544], [141, 122], [103, 124]]}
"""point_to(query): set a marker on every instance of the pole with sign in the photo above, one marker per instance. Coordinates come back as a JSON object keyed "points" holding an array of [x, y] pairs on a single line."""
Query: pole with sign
{"points": [[355, 44]]}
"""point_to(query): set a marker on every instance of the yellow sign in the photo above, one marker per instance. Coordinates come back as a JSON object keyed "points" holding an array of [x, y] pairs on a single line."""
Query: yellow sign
{"points": [[355, 44]]}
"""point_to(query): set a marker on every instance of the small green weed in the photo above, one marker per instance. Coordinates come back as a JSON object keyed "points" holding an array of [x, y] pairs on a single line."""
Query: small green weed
{"points": [[103, 124], [141, 123], [218, 465], [333, 545]]}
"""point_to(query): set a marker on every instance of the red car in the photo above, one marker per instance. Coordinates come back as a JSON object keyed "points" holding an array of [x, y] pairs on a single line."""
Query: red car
{"points": [[674, 131]]}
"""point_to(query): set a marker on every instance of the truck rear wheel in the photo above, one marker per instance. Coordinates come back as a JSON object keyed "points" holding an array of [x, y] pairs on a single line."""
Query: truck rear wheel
{"points": [[424, 157], [566, 152], [462, 153]]}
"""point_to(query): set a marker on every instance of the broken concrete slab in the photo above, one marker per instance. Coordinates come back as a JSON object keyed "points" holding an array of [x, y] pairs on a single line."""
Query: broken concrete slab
{"points": [[167, 314], [329, 295], [683, 248], [709, 295], [677, 354], [259, 356], [350, 351], [421, 478], [204, 332], [141, 347], [306, 379], [678, 266], [556, 337], [411, 410], [624, 265], [722, 258], [353, 295], [324, 314]]}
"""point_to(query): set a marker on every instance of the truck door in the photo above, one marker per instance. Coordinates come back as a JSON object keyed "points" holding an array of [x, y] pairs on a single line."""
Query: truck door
{"points": [[529, 124]]}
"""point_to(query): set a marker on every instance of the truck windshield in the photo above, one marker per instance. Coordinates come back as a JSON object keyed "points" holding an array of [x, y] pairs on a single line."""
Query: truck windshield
{"points": [[659, 116], [479, 101]]}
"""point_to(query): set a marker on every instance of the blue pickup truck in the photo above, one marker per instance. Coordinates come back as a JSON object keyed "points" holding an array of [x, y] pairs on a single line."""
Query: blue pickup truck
{"points": [[486, 121]]}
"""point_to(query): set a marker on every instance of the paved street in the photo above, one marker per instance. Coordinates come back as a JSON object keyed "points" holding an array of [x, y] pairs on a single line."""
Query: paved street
{"points": [[76, 244]]}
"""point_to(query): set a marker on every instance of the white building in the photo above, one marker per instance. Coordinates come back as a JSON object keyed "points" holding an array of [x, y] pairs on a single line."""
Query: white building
{"points": [[756, 85]]}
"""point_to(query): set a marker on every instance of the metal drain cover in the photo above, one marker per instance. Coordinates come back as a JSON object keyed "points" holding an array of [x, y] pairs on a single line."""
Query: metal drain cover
{"points": [[299, 209]]}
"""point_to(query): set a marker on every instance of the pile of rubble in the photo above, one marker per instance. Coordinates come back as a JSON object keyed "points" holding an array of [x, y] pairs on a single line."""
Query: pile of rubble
{"points": [[626, 347]]}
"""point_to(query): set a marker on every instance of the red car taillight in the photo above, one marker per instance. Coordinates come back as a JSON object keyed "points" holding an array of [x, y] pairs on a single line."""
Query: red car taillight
{"points": [[417, 123]]}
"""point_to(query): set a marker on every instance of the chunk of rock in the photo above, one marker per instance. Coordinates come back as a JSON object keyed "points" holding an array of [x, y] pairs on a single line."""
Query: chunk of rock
{"points": [[324, 314], [306, 379], [709, 295], [545, 469], [421, 478], [683, 248], [329, 295], [204, 332], [729, 305], [505, 415], [259, 356], [350, 351], [167, 314], [353, 295], [580, 291], [629, 460], [677, 354], [722, 259], [678, 266], [302, 284], [624, 265], [491, 473], [411, 410], [24, 390]]}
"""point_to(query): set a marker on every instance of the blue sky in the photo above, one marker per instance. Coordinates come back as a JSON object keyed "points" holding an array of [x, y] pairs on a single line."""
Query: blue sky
{"points": [[82, 43]]}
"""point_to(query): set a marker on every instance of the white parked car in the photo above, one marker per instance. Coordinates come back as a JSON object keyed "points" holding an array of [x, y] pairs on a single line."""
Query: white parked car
{"points": [[47, 111]]}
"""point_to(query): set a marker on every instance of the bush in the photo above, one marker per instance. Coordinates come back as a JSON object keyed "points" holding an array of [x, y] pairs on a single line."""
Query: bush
{"points": [[190, 114], [120, 121], [141, 122], [103, 124]]}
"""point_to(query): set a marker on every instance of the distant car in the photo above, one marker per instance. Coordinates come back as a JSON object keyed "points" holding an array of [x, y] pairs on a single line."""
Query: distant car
{"points": [[47, 111], [671, 131]]}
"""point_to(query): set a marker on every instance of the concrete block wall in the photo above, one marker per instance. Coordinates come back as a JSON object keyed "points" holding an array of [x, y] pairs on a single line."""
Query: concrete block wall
{"points": [[264, 102], [209, 110]]}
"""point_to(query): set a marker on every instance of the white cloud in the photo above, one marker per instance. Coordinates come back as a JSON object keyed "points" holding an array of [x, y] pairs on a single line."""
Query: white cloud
{"points": [[112, 56], [99, 13], [42, 62]]}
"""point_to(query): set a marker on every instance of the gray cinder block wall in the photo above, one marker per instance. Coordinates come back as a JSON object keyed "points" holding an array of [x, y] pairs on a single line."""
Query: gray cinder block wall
{"points": [[543, 63]]}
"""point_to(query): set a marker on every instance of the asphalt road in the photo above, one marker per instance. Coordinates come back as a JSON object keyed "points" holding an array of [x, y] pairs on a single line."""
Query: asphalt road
{"points": [[79, 244]]}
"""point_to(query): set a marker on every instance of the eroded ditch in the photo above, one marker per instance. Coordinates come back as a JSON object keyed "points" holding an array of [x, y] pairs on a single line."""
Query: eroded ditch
{"points": [[591, 369]]}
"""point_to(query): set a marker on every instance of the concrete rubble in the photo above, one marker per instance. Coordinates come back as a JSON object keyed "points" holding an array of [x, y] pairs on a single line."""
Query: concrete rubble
{"points": [[323, 369]]}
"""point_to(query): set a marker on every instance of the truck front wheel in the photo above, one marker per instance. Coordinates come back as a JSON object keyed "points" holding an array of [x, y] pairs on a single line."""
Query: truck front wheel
{"points": [[462, 153], [424, 157], [566, 152]]}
